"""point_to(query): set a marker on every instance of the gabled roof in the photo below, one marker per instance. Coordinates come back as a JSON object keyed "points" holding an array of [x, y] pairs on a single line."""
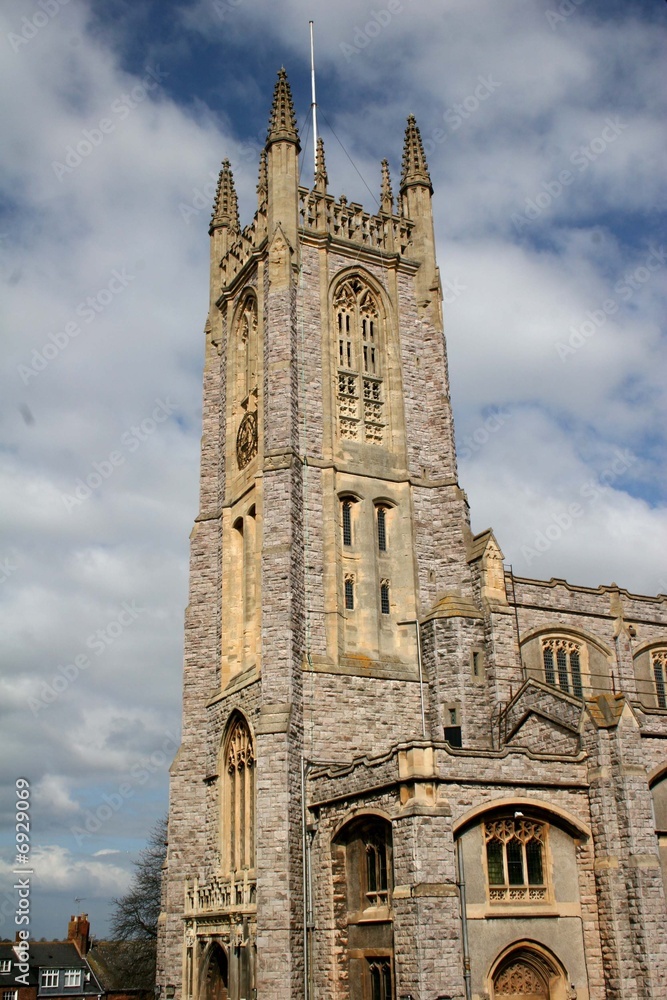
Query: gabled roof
{"points": [[48, 955], [478, 544]]}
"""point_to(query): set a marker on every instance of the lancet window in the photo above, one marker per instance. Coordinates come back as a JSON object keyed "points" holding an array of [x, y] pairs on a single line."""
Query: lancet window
{"points": [[246, 343], [379, 975], [239, 797], [382, 528], [357, 316], [346, 520]]}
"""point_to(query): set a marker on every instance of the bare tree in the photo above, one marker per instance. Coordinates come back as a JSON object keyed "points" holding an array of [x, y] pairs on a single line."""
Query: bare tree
{"points": [[136, 913], [135, 916]]}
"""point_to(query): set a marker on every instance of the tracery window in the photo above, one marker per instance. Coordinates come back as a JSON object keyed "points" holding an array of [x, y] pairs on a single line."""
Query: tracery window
{"points": [[562, 665], [360, 388], [379, 975], [515, 860], [659, 659], [519, 979], [239, 797]]}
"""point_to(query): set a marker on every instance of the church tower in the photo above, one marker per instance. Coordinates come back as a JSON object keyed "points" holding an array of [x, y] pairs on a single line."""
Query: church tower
{"points": [[354, 737]]}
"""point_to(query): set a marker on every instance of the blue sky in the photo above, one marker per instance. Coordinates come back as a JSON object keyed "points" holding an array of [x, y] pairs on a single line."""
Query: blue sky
{"points": [[544, 129]]}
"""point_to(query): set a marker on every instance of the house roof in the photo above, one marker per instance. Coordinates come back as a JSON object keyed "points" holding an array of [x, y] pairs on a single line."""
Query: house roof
{"points": [[47, 955]]}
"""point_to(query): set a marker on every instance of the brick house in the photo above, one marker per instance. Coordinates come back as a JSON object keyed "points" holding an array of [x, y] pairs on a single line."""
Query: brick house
{"points": [[404, 772], [77, 967]]}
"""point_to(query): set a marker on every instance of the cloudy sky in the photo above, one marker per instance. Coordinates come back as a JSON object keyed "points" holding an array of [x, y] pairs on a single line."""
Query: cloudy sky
{"points": [[542, 121]]}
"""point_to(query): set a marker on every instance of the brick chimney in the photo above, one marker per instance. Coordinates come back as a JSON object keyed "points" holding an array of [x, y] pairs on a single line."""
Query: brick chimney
{"points": [[78, 931]]}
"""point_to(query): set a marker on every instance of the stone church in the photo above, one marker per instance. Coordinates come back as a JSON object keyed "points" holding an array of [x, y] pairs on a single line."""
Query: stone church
{"points": [[404, 771]]}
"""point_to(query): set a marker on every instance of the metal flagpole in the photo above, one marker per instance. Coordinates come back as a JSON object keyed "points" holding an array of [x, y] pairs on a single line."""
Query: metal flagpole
{"points": [[312, 90]]}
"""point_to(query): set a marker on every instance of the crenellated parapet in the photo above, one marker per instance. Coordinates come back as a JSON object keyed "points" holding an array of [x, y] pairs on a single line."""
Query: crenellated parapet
{"points": [[343, 220]]}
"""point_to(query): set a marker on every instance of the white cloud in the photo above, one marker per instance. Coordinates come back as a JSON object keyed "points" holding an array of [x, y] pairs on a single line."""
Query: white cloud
{"points": [[52, 794], [56, 868]]}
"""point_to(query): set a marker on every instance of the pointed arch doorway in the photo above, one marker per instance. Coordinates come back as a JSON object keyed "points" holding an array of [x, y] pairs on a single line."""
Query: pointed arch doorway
{"points": [[528, 972], [215, 975]]}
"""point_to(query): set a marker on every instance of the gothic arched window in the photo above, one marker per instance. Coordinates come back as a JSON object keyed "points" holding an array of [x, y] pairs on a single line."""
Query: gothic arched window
{"points": [[347, 517], [659, 662], [515, 861], [382, 528], [379, 975], [358, 325], [562, 665], [238, 797], [246, 348]]}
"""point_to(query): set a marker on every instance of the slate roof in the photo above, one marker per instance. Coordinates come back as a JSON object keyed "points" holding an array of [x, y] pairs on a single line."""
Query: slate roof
{"points": [[48, 955]]}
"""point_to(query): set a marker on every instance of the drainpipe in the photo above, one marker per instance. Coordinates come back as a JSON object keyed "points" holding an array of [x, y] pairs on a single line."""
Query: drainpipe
{"points": [[307, 890], [460, 871]]}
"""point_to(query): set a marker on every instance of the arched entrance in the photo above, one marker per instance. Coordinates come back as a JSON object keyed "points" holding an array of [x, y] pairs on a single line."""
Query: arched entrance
{"points": [[215, 979], [528, 972]]}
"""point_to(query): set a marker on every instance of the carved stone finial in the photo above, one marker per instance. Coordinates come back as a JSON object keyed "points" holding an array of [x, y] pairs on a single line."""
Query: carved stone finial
{"points": [[321, 179], [226, 205], [415, 168], [263, 182], [386, 196], [282, 123]]}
